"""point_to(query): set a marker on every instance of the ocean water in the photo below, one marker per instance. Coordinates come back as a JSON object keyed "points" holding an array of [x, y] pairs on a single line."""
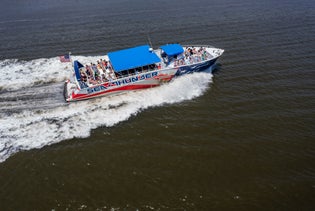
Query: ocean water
{"points": [[240, 138]]}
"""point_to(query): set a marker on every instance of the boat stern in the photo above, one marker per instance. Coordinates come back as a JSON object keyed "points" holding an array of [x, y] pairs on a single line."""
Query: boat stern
{"points": [[68, 90]]}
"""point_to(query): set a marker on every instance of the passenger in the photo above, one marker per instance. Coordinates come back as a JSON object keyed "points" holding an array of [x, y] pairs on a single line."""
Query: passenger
{"points": [[202, 57], [103, 62], [191, 52], [207, 55], [99, 65], [83, 76], [187, 51], [87, 70], [194, 51], [186, 60], [95, 70], [103, 77], [101, 74]]}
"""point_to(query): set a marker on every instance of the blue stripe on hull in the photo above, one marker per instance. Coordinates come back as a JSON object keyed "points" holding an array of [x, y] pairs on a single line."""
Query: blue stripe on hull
{"points": [[195, 67]]}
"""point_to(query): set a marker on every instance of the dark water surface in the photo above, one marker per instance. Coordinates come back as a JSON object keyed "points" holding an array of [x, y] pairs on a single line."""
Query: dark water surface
{"points": [[243, 139]]}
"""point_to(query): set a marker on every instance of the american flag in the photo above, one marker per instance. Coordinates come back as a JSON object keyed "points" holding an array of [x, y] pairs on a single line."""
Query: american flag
{"points": [[65, 58]]}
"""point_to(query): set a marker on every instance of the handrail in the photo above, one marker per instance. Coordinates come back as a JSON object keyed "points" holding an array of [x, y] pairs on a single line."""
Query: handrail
{"points": [[208, 46]]}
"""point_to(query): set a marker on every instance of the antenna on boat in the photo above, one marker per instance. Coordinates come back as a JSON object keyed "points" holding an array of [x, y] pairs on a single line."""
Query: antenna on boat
{"points": [[150, 41]]}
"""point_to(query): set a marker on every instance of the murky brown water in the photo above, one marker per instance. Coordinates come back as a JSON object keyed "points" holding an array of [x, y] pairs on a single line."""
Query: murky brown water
{"points": [[242, 139]]}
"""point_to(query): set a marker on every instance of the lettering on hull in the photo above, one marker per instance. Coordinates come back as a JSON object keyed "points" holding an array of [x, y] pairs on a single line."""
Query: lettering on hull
{"points": [[121, 82]]}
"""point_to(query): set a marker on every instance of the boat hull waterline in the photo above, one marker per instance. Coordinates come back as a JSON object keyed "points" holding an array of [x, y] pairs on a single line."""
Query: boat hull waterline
{"points": [[169, 63]]}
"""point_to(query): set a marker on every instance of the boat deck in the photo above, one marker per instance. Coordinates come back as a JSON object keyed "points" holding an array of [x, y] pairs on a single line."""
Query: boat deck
{"points": [[103, 71]]}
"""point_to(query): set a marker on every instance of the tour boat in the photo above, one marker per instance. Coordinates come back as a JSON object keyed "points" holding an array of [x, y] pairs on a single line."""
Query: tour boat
{"points": [[137, 68]]}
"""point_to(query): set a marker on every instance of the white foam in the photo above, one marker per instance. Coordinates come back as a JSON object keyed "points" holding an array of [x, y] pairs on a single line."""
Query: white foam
{"points": [[37, 128], [17, 74]]}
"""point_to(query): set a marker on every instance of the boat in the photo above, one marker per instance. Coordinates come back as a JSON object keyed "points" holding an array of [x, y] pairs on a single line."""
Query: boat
{"points": [[137, 68]]}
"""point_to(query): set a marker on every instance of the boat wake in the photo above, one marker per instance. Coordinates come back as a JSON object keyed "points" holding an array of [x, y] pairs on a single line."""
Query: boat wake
{"points": [[33, 113]]}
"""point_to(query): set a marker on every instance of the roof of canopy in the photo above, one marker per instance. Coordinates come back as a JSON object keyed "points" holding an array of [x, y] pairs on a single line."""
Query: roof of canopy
{"points": [[172, 49], [132, 58]]}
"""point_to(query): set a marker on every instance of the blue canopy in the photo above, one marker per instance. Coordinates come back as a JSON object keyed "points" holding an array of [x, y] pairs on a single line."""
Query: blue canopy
{"points": [[132, 58], [172, 49]]}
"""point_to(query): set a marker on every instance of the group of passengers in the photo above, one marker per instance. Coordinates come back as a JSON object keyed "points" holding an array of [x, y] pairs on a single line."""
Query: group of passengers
{"points": [[97, 73], [192, 55]]}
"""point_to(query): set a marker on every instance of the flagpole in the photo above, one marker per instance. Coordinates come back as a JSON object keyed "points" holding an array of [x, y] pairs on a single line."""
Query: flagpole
{"points": [[70, 58]]}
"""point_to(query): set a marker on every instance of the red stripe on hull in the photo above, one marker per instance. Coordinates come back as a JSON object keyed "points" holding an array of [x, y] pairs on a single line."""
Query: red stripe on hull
{"points": [[112, 91]]}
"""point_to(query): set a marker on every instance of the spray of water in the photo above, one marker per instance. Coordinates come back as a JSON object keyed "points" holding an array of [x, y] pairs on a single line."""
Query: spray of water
{"points": [[24, 127]]}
